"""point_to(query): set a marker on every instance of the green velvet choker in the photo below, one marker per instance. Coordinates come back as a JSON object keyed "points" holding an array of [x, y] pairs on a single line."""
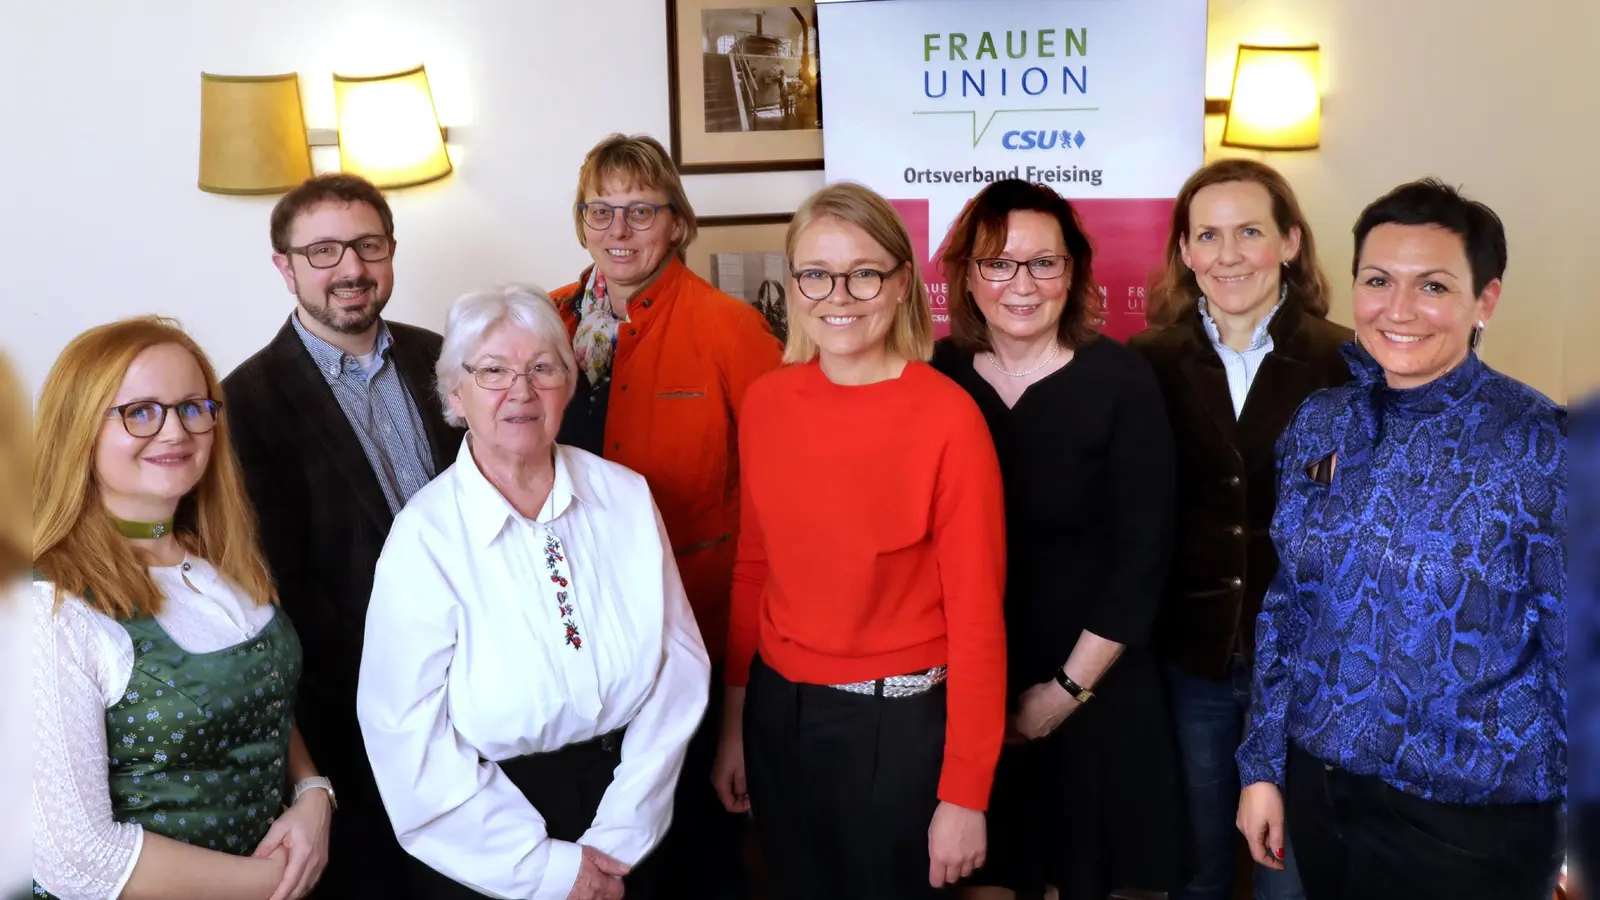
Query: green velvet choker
{"points": [[143, 531]]}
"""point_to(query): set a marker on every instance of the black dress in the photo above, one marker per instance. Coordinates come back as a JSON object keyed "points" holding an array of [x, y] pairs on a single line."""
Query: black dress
{"points": [[1087, 459]]}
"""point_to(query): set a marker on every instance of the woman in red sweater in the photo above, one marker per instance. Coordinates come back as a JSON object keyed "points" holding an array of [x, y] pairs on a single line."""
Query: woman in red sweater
{"points": [[866, 611]]}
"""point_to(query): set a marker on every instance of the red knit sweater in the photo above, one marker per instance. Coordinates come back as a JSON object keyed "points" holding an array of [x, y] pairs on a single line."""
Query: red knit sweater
{"points": [[872, 544]]}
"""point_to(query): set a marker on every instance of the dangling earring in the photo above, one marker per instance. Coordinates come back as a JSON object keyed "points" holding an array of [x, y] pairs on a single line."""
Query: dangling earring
{"points": [[1477, 336]]}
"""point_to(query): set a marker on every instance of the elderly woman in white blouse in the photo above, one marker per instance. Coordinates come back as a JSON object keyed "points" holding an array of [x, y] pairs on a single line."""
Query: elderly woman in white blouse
{"points": [[533, 671]]}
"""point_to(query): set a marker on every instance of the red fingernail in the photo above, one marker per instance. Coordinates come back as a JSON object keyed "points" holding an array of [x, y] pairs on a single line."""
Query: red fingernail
{"points": [[1279, 852]]}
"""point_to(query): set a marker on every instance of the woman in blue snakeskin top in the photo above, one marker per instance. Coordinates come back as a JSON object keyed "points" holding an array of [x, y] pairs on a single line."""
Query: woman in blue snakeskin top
{"points": [[1408, 718]]}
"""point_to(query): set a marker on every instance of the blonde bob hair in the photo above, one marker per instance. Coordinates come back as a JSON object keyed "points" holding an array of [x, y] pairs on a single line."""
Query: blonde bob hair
{"points": [[75, 539], [911, 334], [638, 162]]}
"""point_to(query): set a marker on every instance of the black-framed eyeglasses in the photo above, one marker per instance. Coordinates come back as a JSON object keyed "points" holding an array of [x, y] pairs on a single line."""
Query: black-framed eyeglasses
{"points": [[639, 215], [1045, 268], [327, 254], [860, 284], [501, 378], [146, 418]]}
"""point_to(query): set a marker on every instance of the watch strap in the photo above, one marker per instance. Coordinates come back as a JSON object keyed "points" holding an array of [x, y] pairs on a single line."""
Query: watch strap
{"points": [[314, 783], [1078, 691]]}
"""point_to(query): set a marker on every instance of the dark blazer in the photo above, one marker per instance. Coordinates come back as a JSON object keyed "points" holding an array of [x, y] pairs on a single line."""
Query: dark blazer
{"points": [[1227, 477], [323, 520]]}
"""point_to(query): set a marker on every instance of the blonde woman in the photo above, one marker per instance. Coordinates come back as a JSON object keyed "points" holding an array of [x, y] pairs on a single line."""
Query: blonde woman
{"points": [[15, 554], [15, 463], [164, 677], [866, 616]]}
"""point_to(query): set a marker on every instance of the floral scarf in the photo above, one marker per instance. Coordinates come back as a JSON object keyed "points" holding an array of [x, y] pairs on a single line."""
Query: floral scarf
{"points": [[596, 338]]}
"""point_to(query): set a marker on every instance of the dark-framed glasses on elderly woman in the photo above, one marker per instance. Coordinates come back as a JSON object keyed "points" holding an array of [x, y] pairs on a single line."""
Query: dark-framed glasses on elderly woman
{"points": [[146, 418], [639, 215], [998, 268], [501, 378]]}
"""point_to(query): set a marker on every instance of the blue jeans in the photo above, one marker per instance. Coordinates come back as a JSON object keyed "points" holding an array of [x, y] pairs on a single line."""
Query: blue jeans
{"points": [[1209, 718]]}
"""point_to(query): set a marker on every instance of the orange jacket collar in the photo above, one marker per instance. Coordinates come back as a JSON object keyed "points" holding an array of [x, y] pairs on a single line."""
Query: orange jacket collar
{"points": [[655, 295]]}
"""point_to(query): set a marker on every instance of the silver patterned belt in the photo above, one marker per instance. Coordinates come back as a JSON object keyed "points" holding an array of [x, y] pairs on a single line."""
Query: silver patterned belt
{"points": [[897, 685]]}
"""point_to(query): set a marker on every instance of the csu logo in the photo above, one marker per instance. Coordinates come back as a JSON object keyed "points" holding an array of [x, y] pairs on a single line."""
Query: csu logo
{"points": [[1035, 139]]}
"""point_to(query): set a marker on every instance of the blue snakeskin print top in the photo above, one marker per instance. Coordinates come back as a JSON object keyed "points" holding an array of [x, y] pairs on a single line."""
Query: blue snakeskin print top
{"points": [[1416, 629]]}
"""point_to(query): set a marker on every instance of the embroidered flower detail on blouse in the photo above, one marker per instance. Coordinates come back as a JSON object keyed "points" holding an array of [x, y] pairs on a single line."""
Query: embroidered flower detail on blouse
{"points": [[553, 559]]}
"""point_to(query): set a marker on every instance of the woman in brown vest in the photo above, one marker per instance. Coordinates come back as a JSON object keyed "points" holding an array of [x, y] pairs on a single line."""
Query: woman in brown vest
{"points": [[1239, 338]]}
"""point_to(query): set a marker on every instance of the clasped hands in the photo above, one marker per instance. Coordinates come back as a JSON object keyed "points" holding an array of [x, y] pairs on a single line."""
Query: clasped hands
{"points": [[599, 877]]}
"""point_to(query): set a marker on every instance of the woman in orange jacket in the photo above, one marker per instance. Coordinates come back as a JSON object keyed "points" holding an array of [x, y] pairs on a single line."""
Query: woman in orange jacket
{"points": [[663, 361]]}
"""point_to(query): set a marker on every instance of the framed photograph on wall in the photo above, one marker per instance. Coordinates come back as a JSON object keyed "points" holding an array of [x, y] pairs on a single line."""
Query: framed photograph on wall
{"points": [[744, 86], [743, 257]]}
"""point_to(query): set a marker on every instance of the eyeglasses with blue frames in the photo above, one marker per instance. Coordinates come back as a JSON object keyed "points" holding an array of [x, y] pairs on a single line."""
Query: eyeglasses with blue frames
{"points": [[1045, 268], [146, 418], [327, 254], [639, 215], [501, 378], [861, 284]]}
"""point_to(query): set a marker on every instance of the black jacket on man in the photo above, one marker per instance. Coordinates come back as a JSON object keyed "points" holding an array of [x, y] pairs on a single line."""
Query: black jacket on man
{"points": [[323, 521], [1223, 558]]}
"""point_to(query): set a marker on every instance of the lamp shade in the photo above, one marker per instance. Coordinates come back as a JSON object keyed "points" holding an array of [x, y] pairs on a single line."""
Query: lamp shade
{"points": [[1277, 104], [388, 130], [252, 134]]}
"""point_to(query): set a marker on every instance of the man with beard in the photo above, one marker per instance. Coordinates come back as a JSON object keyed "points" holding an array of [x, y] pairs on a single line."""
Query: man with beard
{"points": [[337, 425]]}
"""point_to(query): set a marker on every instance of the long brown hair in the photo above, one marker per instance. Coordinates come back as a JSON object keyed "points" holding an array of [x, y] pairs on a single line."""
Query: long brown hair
{"points": [[1178, 292], [75, 540], [911, 334], [980, 231]]}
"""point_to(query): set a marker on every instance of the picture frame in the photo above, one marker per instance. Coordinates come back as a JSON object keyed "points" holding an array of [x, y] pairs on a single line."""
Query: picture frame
{"points": [[743, 86], [743, 256]]}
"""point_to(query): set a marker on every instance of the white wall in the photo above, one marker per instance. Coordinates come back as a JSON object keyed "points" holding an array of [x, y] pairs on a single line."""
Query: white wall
{"points": [[105, 219], [111, 223]]}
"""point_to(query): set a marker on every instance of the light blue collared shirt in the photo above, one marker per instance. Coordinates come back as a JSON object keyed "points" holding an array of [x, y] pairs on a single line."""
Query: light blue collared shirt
{"points": [[1241, 366], [386, 422]]}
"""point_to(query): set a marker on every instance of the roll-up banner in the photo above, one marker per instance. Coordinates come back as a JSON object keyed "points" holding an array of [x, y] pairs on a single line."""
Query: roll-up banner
{"points": [[926, 101]]}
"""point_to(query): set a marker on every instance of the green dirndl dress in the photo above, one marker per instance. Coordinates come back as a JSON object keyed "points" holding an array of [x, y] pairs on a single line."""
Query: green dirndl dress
{"points": [[199, 742]]}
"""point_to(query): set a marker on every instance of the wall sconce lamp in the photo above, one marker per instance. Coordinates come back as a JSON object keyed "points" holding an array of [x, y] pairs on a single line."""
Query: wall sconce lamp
{"points": [[253, 138], [1275, 103], [252, 134]]}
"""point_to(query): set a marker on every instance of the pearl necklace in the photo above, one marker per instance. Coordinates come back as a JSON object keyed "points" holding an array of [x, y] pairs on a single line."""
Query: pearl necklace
{"points": [[1055, 347]]}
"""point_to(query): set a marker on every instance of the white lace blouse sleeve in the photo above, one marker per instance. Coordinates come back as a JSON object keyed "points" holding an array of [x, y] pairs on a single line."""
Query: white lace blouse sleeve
{"points": [[78, 849]]}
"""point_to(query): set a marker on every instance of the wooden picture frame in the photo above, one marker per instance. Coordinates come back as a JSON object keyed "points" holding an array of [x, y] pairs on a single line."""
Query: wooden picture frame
{"points": [[743, 256], [764, 113]]}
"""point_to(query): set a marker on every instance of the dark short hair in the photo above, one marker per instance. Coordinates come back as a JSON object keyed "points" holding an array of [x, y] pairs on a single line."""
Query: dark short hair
{"points": [[1432, 202], [318, 189], [980, 231]]}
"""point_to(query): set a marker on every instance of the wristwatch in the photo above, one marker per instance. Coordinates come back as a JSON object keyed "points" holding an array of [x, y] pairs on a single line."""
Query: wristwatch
{"points": [[314, 783], [1078, 691]]}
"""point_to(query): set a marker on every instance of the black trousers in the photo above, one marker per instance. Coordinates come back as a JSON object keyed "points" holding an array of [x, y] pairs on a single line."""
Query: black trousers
{"points": [[703, 852], [1357, 838], [842, 787], [566, 787]]}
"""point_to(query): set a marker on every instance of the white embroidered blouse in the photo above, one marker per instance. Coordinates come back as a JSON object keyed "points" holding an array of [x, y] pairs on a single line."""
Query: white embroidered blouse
{"points": [[82, 661], [491, 636]]}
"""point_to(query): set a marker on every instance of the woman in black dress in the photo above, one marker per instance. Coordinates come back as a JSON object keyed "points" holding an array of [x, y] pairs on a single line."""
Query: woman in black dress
{"points": [[1086, 796]]}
